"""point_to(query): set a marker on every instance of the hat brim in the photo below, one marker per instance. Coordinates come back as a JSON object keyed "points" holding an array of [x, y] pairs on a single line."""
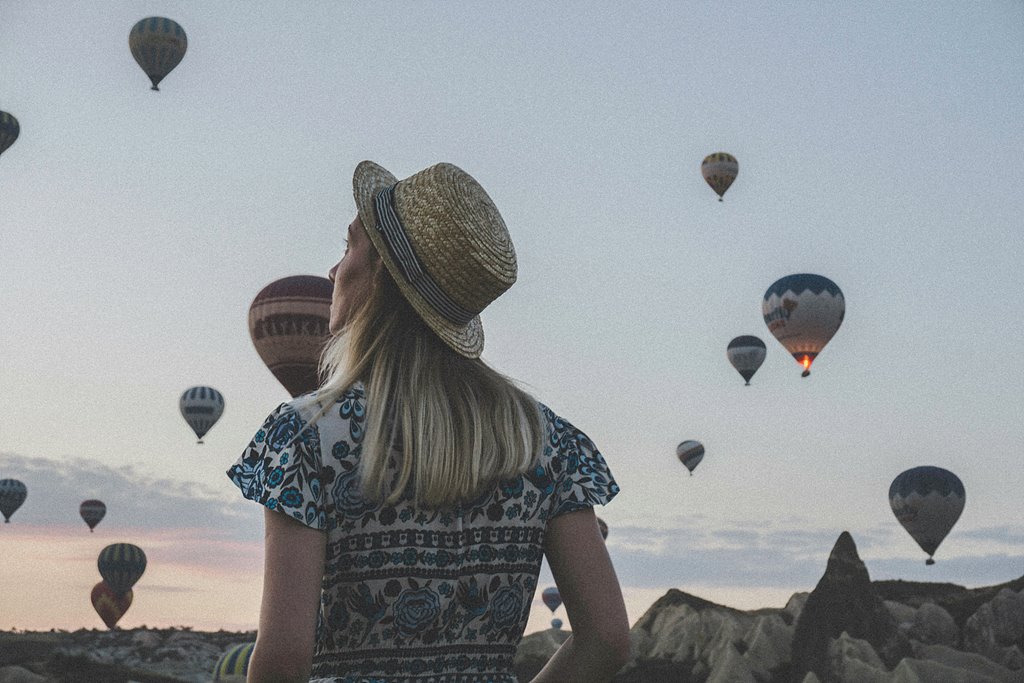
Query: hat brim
{"points": [[367, 180]]}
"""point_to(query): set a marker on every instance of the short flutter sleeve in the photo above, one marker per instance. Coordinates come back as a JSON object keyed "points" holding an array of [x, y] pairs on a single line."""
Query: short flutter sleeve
{"points": [[280, 468], [581, 476]]}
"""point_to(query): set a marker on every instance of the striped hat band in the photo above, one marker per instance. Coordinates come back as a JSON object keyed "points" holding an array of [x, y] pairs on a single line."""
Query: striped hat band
{"points": [[393, 233]]}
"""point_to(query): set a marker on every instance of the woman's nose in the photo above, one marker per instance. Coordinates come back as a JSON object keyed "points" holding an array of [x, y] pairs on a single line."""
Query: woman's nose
{"points": [[330, 273]]}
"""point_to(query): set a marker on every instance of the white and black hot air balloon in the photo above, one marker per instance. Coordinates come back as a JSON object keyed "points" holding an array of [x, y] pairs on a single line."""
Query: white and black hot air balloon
{"points": [[746, 353], [201, 407]]}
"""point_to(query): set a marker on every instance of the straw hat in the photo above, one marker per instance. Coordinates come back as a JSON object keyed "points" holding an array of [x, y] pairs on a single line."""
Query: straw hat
{"points": [[444, 243]]}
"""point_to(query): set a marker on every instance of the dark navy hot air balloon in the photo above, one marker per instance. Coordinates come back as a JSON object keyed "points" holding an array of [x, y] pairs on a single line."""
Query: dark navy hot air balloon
{"points": [[746, 354], [803, 311], [158, 44], [12, 494], [92, 511], [201, 407], [289, 324], [927, 501], [551, 597], [9, 130], [108, 604], [690, 453], [121, 565]]}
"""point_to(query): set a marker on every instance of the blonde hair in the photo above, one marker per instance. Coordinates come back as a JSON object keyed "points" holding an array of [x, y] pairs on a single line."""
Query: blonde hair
{"points": [[456, 425]]}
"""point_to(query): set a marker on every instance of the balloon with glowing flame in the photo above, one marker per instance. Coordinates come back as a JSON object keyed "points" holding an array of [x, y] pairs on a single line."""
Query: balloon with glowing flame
{"points": [[803, 311]]}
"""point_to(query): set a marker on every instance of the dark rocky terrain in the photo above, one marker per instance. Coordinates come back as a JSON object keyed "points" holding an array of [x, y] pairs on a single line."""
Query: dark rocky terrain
{"points": [[849, 629]]}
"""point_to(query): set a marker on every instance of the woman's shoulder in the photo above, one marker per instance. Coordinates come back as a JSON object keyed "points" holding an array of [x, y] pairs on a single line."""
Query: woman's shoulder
{"points": [[558, 427]]}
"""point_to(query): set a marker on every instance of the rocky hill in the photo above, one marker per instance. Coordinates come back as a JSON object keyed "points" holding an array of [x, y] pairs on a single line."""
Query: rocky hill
{"points": [[847, 630]]}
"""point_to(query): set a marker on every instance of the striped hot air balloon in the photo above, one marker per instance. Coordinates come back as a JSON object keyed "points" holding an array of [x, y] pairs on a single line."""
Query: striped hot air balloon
{"points": [[110, 605], [158, 44], [927, 501], [9, 130], [289, 324], [92, 511], [121, 565], [201, 407], [746, 353], [690, 453], [719, 170], [233, 665], [12, 494], [803, 311]]}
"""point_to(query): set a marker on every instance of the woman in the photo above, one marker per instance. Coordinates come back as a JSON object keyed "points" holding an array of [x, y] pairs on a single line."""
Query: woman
{"points": [[410, 500]]}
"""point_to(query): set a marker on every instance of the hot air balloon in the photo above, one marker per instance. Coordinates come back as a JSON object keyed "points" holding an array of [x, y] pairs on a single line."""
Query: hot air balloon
{"points": [[9, 130], [233, 665], [690, 453], [803, 311], [158, 44], [604, 528], [12, 494], [121, 565], [556, 624], [201, 407], [746, 354], [719, 170], [927, 501], [551, 597], [289, 324], [92, 512], [110, 605]]}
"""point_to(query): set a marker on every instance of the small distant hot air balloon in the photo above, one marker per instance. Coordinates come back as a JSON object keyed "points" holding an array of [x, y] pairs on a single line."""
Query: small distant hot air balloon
{"points": [[201, 407], [158, 44], [12, 494], [604, 528], [556, 624], [719, 170], [121, 565], [110, 605], [551, 597], [233, 665], [92, 512], [9, 130], [803, 311], [289, 324], [746, 354], [690, 453], [927, 501]]}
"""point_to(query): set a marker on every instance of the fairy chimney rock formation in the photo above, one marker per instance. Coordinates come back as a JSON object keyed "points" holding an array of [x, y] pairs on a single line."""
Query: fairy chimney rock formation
{"points": [[843, 601]]}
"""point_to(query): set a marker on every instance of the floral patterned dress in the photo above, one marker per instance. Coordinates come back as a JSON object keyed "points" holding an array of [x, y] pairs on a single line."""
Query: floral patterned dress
{"points": [[415, 596]]}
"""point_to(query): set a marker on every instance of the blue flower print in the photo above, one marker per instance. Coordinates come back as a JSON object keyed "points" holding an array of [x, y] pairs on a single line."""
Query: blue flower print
{"points": [[260, 435], [348, 497], [291, 497], [275, 477], [284, 459], [507, 606], [284, 430], [415, 610], [271, 503]]}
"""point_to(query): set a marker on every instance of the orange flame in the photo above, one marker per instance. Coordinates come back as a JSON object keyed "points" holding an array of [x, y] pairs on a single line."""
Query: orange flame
{"points": [[806, 362]]}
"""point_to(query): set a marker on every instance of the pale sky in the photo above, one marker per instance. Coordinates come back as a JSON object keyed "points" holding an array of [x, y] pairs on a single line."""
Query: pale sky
{"points": [[880, 144]]}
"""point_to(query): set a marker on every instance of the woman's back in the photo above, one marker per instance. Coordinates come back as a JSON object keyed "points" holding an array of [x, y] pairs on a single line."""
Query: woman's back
{"points": [[408, 594]]}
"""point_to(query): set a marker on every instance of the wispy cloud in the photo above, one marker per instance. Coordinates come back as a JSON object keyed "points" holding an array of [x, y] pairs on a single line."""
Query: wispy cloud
{"points": [[135, 502]]}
